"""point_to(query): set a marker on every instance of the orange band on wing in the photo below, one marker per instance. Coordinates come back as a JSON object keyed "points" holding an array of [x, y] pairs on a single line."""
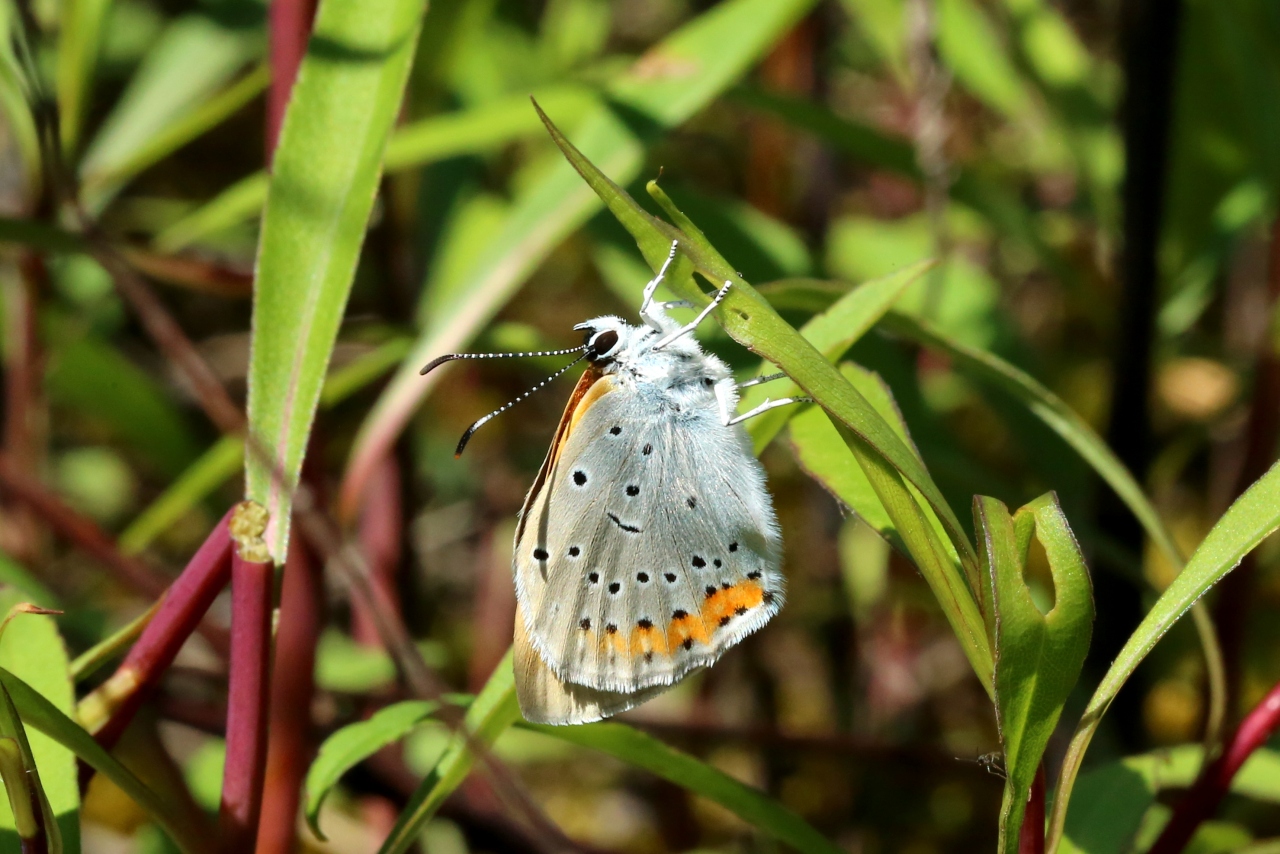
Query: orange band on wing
{"points": [[687, 629]]}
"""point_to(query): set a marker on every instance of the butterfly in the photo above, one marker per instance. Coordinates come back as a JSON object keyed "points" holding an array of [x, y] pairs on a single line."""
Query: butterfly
{"points": [[648, 544]]}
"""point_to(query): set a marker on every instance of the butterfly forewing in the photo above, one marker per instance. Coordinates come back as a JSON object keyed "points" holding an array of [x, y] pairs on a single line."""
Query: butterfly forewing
{"points": [[651, 546]]}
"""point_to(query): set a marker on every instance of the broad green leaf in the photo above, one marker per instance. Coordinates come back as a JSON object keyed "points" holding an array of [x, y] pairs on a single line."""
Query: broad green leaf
{"points": [[477, 129], [1038, 656], [80, 37], [354, 743], [33, 590], [660, 91], [969, 45], [1248, 521], [220, 462], [823, 454], [494, 710], [32, 648], [1108, 805], [948, 563], [832, 333], [39, 713], [324, 177], [641, 750]]}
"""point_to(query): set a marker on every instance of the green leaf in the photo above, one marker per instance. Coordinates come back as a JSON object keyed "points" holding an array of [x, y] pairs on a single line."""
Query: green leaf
{"points": [[832, 333], [39, 713], [478, 129], [970, 46], [1248, 521], [324, 177], [80, 37], [825, 457], [663, 89], [354, 743], [494, 710], [31, 646], [1038, 656], [152, 135], [1108, 805], [641, 750]]}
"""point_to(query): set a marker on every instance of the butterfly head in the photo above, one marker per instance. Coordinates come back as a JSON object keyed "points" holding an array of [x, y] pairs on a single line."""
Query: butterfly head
{"points": [[605, 338]]}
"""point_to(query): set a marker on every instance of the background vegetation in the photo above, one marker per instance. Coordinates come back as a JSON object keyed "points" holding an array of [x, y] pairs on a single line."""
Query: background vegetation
{"points": [[1096, 181]]}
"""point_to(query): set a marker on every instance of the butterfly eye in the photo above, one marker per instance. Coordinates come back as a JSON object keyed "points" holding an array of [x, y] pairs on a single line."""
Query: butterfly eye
{"points": [[601, 344]]}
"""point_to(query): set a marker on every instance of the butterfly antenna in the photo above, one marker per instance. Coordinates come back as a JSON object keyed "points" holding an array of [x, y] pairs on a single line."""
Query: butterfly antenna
{"points": [[449, 357], [466, 437]]}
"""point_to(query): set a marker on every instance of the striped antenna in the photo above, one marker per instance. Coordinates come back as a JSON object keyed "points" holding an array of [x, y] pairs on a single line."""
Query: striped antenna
{"points": [[435, 363], [466, 437]]}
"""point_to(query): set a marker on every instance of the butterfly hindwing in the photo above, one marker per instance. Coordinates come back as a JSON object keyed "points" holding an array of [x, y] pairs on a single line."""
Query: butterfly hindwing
{"points": [[651, 546]]}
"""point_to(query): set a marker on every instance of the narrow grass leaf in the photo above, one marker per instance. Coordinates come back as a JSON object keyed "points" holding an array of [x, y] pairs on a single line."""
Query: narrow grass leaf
{"points": [[354, 743], [494, 710], [642, 750], [1248, 521], [324, 178], [823, 454], [1038, 656], [80, 35], [661, 90], [478, 129], [832, 333]]}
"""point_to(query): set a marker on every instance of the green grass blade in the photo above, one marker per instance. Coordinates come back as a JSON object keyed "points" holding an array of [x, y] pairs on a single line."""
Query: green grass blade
{"points": [[478, 129], [494, 710], [823, 454], [39, 713], [1038, 656], [80, 37], [642, 750], [1248, 521], [663, 89], [102, 179], [832, 333], [354, 743], [325, 174]]}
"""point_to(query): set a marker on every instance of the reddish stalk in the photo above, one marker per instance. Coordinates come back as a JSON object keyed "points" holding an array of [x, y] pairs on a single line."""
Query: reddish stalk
{"points": [[289, 25], [248, 693], [1206, 794], [291, 746], [185, 603], [80, 530], [1031, 837], [381, 529], [22, 373]]}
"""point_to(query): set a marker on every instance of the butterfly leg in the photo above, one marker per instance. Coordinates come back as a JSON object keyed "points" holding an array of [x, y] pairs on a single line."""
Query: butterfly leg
{"points": [[693, 324], [656, 319], [767, 378], [765, 407]]}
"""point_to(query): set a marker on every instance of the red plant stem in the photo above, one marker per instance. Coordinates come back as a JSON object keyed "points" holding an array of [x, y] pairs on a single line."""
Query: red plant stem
{"points": [[291, 745], [381, 528], [248, 700], [1202, 800], [289, 25], [1031, 837], [22, 394], [184, 605], [80, 530]]}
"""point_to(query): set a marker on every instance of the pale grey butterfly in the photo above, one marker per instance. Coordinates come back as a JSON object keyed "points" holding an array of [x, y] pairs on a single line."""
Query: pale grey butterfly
{"points": [[648, 544]]}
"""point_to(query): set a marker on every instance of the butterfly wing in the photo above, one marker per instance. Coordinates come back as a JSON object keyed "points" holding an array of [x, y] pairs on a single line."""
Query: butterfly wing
{"points": [[651, 546]]}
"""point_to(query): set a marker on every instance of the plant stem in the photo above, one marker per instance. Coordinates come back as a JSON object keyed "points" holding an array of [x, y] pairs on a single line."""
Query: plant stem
{"points": [[289, 25], [1031, 837], [115, 702], [291, 746], [248, 695], [1202, 800]]}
